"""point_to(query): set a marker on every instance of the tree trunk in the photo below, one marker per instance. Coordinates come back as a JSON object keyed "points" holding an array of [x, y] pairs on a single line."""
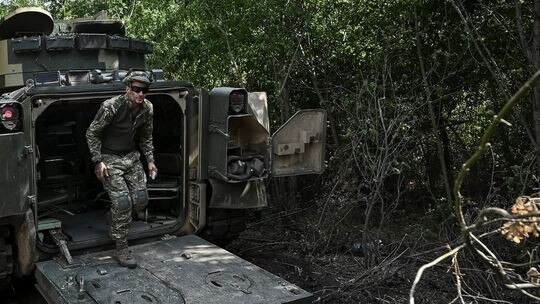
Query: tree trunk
{"points": [[285, 107], [532, 53], [436, 128], [491, 65], [322, 103], [535, 54]]}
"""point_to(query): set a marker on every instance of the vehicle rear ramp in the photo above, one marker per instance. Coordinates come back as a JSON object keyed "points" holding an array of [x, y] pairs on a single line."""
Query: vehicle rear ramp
{"points": [[177, 270]]}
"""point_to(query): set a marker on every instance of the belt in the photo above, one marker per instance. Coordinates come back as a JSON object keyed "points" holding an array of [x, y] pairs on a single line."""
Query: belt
{"points": [[118, 153]]}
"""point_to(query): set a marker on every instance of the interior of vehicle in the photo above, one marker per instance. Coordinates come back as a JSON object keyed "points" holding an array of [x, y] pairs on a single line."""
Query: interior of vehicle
{"points": [[71, 200]]}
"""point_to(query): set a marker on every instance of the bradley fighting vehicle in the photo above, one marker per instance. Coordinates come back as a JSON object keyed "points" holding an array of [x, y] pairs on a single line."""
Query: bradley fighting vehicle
{"points": [[213, 150]]}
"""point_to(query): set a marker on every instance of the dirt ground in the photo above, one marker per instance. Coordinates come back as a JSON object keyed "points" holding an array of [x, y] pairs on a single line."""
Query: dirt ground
{"points": [[341, 269], [345, 275]]}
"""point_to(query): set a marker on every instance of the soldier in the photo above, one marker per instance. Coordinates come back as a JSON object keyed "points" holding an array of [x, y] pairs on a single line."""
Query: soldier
{"points": [[121, 124]]}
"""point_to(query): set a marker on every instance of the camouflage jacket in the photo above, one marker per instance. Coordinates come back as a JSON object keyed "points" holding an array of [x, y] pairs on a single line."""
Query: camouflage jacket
{"points": [[105, 115]]}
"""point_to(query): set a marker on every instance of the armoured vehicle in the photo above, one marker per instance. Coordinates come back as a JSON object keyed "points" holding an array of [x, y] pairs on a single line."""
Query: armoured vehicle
{"points": [[213, 150]]}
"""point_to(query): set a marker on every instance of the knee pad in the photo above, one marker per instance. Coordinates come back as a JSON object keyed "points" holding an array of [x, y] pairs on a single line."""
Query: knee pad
{"points": [[122, 202], [140, 199]]}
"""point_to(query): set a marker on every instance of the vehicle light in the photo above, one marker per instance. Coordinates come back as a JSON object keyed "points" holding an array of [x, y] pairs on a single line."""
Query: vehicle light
{"points": [[9, 116], [237, 102], [9, 113]]}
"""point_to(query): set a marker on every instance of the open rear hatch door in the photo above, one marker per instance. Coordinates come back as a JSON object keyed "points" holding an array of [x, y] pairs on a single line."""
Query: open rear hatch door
{"points": [[177, 270], [298, 146]]}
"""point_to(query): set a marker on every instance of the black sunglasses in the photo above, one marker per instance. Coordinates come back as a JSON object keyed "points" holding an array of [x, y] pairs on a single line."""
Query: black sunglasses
{"points": [[137, 89]]}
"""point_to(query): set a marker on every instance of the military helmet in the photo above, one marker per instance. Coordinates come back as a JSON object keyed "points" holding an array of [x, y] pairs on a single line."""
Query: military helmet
{"points": [[140, 76]]}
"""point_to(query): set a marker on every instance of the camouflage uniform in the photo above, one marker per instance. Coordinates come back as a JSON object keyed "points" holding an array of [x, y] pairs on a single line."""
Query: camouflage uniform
{"points": [[126, 183]]}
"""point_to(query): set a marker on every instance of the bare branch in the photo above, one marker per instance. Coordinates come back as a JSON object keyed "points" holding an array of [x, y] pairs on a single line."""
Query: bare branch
{"points": [[429, 265], [484, 142]]}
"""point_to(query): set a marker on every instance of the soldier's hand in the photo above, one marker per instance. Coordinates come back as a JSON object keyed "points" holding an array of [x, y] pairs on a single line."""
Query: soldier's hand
{"points": [[101, 171], [152, 170]]}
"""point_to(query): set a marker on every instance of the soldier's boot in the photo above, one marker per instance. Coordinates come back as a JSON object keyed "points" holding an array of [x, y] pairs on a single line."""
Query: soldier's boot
{"points": [[124, 256]]}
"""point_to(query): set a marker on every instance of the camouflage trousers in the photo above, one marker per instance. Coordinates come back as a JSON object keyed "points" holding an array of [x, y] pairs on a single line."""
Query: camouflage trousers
{"points": [[126, 186]]}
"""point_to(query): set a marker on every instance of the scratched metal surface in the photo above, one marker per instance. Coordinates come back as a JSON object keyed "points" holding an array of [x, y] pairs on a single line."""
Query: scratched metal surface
{"points": [[179, 270]]}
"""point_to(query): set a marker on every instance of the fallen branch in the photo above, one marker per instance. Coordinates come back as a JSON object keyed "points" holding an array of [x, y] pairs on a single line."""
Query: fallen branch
{"points": [[429, 265]]}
